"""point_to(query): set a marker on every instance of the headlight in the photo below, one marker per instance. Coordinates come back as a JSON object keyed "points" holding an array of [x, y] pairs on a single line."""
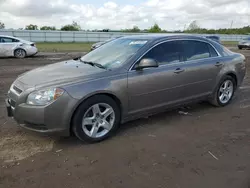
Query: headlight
{"points": [[44, 97]]}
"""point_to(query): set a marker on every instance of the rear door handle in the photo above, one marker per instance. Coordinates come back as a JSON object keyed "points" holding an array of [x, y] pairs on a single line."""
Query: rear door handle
{"points": [[218, 64], [179, 70]]}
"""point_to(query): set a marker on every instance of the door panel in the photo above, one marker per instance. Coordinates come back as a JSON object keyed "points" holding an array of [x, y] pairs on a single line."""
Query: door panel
{"points": [[199, 78], [202, 64], [7, 46], [155, 87]]}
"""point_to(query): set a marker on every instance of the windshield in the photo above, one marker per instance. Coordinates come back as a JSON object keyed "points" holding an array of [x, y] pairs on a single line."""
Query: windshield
{"points": [[114, 53]]}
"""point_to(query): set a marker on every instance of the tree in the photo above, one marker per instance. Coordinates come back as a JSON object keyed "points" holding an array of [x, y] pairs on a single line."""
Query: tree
{"points": [[48, 28], [2, 26], [31, 27], [155, 29], [71, 27], [135, 29], [193, 26]]}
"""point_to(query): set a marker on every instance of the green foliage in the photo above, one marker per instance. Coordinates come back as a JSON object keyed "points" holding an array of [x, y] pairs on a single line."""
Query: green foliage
{"points": [[2, 26], [71, 27], [193, 26], [239, 31], [155, 29], [135, 29], [31, 27], [52, 28]]}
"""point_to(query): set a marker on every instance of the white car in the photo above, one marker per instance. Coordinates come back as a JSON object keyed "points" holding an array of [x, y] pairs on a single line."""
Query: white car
{"points": [[12, 46]]}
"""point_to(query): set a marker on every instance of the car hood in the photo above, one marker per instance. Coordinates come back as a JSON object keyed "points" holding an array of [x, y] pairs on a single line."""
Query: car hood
{"points": [[59, 73]]}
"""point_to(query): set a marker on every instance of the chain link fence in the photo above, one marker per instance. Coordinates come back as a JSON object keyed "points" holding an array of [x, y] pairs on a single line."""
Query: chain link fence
{"points": [[81, 36]]}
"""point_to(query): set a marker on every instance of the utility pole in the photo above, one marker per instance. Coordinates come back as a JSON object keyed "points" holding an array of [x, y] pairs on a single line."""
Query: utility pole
{"points": [[232, 24]]}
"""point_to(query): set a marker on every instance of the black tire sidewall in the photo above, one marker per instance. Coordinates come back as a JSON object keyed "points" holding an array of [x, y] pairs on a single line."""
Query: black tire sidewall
{"points": [[218, 90], [78, 116], [22, 50]]}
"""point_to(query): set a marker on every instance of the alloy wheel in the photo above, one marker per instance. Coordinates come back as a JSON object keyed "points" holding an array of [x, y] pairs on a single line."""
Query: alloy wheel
{"points": [[226, 91], [98, 120], [19, 53]]}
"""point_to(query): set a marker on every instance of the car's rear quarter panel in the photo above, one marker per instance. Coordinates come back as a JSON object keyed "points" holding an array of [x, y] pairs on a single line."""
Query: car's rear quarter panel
{"points": [[234, 64]]}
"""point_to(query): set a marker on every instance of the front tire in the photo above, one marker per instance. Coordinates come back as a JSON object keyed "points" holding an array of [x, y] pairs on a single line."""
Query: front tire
{"points": [[224, 92], [96, 119], [20, 53]]}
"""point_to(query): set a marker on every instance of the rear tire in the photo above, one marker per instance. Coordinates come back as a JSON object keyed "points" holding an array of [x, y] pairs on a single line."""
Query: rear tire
{"points": [[20, 53], [90, 123], [224, 92], [240, 48]]}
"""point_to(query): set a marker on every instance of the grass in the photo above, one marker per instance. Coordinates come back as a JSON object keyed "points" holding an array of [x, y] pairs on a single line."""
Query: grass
{"points": [[63, 47], [228, 43], [83, 47]]}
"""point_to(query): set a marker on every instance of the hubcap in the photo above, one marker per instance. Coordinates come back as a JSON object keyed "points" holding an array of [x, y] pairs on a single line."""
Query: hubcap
{"points": [[226, 91], [20, 53], [98, 120]]}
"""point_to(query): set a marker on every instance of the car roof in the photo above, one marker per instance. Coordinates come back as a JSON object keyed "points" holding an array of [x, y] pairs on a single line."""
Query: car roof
{"points": [[164, 36], [6, 36]]}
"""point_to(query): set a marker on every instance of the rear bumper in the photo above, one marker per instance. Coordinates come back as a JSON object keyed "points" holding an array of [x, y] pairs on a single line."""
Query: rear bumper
{"points": [[32, 51]]}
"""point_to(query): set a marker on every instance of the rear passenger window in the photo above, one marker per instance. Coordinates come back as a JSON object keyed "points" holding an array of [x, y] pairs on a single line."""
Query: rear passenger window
{"points": [[195, 50], [212, 51], [8, 40], [166, 53]]}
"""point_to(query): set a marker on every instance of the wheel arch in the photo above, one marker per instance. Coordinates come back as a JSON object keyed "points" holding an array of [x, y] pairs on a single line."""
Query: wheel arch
{"points": [[111, 95], [17, 48], [234, 76]]}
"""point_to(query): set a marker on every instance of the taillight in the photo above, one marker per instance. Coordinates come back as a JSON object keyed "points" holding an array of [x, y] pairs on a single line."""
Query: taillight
{"points": [[33, 45]]}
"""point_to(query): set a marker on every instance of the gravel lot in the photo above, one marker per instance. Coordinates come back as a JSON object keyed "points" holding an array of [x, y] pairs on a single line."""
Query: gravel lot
{"points": [[207, 148]]}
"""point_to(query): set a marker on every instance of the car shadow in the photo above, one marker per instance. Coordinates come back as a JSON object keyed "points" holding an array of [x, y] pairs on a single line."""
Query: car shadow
{"points": [[166, 117]]}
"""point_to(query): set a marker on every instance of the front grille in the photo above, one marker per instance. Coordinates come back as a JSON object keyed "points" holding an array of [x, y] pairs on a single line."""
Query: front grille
{"points": [[16, 89], [12, 103], [38, 127]]}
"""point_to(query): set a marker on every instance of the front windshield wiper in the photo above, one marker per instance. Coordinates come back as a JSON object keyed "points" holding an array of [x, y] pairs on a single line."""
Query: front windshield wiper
{"points": [[93, 64]]}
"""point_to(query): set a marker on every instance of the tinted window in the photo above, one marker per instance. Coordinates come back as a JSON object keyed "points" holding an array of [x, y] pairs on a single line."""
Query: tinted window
{"points": [[166, 53], [7, 40], [212, 51], [198, 50]]}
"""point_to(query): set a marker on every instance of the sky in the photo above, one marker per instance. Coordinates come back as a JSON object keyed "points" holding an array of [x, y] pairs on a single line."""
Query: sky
{"points": [[120, 14]]}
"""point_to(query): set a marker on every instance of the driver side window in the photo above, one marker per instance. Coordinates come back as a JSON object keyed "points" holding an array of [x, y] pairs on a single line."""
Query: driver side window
{"points": [[166, 53]]}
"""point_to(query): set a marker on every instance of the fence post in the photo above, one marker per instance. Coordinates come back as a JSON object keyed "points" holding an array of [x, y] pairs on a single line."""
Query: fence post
{"points": [[60, 36], [45, 40]]}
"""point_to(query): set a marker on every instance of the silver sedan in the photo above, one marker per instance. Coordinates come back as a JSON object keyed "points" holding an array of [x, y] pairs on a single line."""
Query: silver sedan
{"points": [[12, 46], [123, 80]]}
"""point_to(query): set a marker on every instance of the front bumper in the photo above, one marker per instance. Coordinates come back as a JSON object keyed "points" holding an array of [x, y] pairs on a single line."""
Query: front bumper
{"points": [[54, 118]]}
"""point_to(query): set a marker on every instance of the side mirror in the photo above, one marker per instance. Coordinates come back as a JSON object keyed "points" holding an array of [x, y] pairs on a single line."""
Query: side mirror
{"points": [[146, 63]]}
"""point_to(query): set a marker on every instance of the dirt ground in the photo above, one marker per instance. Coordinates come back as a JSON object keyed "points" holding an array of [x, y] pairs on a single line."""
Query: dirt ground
{"points": [[207, 148]]}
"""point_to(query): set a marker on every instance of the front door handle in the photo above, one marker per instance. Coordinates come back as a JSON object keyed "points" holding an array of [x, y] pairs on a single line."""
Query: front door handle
{"points": [[179, 70], [218, 64]]}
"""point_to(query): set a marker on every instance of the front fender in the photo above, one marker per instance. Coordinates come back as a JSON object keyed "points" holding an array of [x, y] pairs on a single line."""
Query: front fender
{"points": [[113, 85]]}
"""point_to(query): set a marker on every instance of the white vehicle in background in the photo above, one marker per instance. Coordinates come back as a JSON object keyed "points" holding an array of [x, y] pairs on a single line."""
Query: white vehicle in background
{"points": [[12, 46]]}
